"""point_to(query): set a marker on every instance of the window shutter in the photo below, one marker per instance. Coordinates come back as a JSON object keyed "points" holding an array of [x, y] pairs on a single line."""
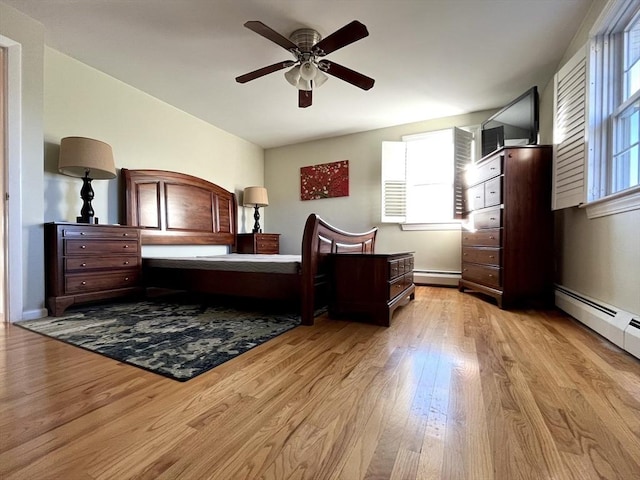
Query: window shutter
{"points": [[462, 141], [394, 189], [570, 123]]}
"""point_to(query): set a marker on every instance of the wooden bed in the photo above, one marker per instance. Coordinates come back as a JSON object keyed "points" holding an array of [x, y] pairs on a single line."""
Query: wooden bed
{"points": [[173, 208]]}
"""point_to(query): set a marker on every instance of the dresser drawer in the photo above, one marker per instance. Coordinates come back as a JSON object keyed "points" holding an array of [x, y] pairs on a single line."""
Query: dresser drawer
{"points": [[77, 231], [488, 218], [493, 192], [99, 247], [106, 281], [489, 256], [484, 238], [489, 169], [475, 197], [400, 284], [400, 266], [484, 274], [80, 264]]}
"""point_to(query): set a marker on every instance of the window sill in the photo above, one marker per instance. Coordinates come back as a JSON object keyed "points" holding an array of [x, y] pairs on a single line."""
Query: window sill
{"points": [[620, 202], [429, 226]]}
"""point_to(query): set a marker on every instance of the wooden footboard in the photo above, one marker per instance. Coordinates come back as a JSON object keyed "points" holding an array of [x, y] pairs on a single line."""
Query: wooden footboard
{"points": [[318, 240]]}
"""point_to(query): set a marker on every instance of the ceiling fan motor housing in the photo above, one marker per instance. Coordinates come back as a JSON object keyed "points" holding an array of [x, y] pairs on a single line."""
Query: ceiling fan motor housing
{"points": [[305, 39]]}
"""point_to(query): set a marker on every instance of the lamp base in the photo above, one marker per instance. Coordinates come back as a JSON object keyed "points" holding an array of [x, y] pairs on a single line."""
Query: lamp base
{"points": [[87, 220]]}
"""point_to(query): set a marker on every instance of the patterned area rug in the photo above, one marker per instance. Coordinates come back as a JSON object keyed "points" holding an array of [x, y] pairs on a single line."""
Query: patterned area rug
{"points": [[179, 339]]}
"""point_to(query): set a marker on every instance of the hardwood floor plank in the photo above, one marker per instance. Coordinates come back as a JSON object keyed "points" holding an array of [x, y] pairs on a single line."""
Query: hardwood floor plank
{"points": [[454, 388]]}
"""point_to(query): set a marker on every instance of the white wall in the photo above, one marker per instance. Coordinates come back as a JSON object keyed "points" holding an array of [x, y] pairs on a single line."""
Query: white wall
{"points": [[143, 131], [434, 250], [30, 35]]}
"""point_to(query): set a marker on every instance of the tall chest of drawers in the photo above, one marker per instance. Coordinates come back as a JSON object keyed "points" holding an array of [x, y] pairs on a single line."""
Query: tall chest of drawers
{"points": [[370, 286], [507, 247], [86, 262]]}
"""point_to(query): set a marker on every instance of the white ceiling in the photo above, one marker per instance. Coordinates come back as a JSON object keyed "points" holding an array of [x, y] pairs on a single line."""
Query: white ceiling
{"points": [[430, 58]]}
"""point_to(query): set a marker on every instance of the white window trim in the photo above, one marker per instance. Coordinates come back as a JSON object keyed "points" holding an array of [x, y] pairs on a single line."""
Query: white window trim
{"points": [[620, 202], [411, 227], [625, 200]]}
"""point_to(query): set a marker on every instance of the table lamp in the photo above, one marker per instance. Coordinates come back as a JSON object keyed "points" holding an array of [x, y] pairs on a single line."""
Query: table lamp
{"points": [[255, 197], [89, 159]]}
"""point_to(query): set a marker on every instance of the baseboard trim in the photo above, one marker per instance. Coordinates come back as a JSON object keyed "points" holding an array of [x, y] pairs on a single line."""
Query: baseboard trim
{"points": [[614, 324], [34, 314], [439, 278]]}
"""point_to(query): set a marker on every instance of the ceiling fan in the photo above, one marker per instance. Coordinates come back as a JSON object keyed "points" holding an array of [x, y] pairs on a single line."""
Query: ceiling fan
{"points": [[308, 48]]}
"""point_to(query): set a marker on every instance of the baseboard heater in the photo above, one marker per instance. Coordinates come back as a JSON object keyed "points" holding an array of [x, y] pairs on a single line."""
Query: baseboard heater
{"points": [[618, 326], [436, 277]]}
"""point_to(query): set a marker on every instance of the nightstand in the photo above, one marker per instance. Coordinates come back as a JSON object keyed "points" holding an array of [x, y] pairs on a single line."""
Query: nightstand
{"points": [[370, 285], [268, 243], [89, 262]]}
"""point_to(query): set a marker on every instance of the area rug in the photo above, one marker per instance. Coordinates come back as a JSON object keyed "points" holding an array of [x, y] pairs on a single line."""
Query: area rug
{"points": [[177, 338]]}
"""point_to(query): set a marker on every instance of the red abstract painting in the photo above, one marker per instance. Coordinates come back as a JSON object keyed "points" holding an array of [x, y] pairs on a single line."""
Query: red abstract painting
{"points": [[326, 180]]}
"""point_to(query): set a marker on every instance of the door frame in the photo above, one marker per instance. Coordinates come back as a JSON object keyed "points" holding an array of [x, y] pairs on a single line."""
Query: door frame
{"points": [[13, 180]]}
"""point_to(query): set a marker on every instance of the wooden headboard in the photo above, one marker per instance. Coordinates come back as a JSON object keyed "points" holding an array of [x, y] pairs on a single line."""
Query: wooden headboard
{"points": [[174, 208]]}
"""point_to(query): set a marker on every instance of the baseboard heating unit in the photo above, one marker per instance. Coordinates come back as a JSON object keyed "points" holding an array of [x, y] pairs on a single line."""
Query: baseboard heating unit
{"points": [[618, 326], [436, 277]]}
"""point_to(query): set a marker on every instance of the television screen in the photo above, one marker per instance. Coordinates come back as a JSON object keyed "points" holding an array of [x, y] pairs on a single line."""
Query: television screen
{"points": [[515, 124]]}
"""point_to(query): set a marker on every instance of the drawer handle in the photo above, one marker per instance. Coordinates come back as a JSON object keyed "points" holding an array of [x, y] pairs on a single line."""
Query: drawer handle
{"points": [[491, 275], [477, 196], [126, 263], [125, 234], [83, 264], [491, 257], [81, 233], [492, 218], [464, 254], [492, 193], [126, 246], [491, 237], [83, 246], [126, 279], [83, 283]]}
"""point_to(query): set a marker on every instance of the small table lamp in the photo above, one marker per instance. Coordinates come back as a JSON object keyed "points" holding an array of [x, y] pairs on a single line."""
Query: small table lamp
{"points": [[256, 197], [89, 159]]}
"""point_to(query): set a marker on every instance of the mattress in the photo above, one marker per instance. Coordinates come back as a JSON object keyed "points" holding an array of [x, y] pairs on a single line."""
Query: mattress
{"points": [[234, 262]]}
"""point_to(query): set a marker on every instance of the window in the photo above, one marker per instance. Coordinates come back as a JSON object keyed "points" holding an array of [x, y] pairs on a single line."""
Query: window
{"points": [[614, 103], [418, 177]]}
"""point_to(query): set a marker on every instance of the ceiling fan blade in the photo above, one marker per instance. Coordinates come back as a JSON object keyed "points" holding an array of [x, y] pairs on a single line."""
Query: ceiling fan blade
{"points": [[304, 98], [342, 37], [346, 74], [270, 34], [264, 71]]}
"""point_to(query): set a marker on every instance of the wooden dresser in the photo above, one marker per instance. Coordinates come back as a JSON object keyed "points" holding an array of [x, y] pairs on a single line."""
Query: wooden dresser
{"points": [[507, 251], [86, 262], [370, 286], [267, 243]]}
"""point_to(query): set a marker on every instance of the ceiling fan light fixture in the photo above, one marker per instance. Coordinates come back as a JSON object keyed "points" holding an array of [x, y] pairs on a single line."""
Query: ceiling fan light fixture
{"points": [[304, 84], [308, 70], [293, 75], [319, 80]]}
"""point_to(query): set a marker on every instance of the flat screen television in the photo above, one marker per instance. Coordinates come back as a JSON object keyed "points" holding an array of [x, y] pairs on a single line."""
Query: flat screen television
{"points": [[515, 124]]}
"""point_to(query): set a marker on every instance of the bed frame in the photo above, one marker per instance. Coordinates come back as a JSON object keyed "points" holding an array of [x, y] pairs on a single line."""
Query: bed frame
{"points": [[173, 208]]}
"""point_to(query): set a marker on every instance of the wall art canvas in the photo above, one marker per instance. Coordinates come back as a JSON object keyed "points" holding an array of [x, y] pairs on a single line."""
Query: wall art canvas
{"points": [[325, 180]]}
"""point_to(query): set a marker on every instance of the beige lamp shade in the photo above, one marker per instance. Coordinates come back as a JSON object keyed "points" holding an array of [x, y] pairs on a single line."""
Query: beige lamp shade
{"points": [[80, 156], [255, 197]]}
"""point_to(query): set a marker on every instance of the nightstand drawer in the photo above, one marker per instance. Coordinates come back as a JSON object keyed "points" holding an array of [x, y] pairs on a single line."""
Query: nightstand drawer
{"points": [[258, 243], [100, 247], [99, 282]]}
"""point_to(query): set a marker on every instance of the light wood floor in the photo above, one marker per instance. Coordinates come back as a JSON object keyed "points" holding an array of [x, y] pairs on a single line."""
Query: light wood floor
{"points": [[454, 389]]}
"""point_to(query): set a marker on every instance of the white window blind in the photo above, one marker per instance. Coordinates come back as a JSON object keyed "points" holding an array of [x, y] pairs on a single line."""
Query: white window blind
{"points": [[419, 177], [569, 137]]}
